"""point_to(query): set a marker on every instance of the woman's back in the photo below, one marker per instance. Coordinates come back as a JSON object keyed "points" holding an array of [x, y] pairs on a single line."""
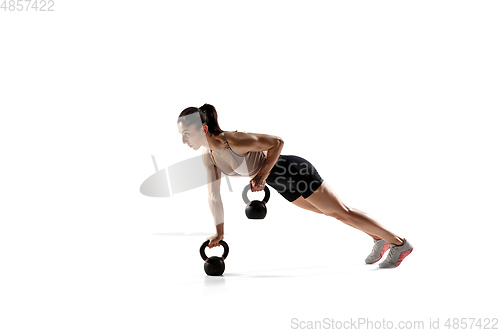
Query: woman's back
{"points": [[234, 164]]}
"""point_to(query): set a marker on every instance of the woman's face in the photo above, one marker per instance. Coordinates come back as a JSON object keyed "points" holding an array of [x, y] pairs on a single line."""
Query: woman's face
{"points": [[192, 137]]}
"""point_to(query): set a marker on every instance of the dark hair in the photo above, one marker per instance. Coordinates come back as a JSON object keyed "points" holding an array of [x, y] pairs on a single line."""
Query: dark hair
{"points": [[207, 114]]}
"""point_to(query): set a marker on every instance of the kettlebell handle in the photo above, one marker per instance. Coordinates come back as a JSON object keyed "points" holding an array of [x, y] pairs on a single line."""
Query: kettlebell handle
{"points": [[248, 187], [221, 242]]}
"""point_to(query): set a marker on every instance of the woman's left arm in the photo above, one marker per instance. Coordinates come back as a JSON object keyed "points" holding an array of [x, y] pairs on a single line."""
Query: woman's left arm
{"points": [[260, 142]]}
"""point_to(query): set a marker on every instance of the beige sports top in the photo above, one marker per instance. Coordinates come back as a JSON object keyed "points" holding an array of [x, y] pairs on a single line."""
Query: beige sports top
{"points": [[232, 164], [236, 165]]}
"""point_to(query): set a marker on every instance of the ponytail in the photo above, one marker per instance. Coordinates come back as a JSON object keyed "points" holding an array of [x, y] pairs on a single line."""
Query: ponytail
{"points": [[208, 116]]}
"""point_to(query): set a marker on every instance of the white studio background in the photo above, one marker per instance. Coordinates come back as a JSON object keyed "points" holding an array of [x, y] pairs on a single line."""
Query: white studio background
{"points": [[395, 103]]}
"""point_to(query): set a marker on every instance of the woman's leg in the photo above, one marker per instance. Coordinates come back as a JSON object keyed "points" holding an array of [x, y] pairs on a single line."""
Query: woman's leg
{"points": [[303, 203], [325, 200]]}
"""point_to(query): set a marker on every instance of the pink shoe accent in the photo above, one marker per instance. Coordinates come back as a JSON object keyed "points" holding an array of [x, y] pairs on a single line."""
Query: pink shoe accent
{"points": [[403, 255], [384, 250]]}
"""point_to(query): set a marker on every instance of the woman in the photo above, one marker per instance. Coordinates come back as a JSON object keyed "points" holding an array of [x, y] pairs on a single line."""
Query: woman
{"points": [[258, 156]]}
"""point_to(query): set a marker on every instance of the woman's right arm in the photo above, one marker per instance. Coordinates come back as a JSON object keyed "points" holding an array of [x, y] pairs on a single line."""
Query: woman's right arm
{"points": [[214, 198]]}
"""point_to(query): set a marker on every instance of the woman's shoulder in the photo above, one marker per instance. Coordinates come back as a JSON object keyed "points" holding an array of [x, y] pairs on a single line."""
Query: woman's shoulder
{"points": [[205, 156], [247, 141], [237, 141], [236, 137]]}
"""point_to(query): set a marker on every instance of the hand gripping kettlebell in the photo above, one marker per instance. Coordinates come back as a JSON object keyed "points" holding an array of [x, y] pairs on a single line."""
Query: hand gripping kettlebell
{"points": [[256, 209], [214, 266]]}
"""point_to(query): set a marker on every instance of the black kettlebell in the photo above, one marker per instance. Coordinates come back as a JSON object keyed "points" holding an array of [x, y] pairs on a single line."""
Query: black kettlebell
{"points": [[256, 209], [214, 266]]}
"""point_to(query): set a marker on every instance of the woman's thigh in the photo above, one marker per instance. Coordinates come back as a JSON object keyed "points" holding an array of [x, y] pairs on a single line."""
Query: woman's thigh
{"points": [[302, 203], [325, 199]]}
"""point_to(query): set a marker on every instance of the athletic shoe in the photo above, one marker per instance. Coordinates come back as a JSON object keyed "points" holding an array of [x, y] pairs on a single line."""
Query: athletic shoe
{"points": [[396, 255], [379, 248]]}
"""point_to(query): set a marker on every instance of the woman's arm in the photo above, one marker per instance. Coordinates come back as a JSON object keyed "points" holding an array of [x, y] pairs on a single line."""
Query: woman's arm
{"points": [[245, 142], [214, 198]]}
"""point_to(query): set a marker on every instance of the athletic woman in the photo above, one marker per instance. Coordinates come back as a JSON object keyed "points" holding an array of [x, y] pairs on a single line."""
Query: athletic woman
{"points": [[258, 156]]}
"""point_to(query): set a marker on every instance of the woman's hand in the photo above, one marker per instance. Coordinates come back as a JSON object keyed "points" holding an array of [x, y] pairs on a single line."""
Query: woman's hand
{"points": [[214, 240], [258, 182]]}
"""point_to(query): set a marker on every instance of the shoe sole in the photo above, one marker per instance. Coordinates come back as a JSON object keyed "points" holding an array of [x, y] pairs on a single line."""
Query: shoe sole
{"points": [[403, 255], [400, 259], [384, 250]]}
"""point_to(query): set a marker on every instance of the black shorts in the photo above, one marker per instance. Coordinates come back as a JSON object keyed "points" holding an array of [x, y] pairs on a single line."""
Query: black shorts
{"points": [[293, 176]]}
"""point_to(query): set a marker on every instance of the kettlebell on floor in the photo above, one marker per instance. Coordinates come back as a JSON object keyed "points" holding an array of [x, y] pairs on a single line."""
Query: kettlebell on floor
{"points": [[214, 266]]}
